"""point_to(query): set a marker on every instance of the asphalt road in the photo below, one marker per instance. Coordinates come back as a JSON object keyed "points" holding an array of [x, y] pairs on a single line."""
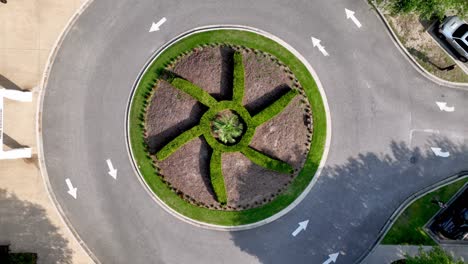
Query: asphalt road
{"points": [[381, 110]]}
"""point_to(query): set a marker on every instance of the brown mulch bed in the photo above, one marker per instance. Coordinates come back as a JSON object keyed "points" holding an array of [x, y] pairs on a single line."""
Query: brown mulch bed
{"points": [[285, 137]]}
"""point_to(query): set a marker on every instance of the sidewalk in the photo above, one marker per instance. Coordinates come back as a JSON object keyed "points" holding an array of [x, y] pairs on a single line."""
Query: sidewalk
{"points": [[29, 220], [386, 254]]}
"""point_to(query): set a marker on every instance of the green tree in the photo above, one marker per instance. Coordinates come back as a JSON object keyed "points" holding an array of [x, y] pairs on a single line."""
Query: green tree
{"points": [[428, 9], [434, 256], [227, 127]]}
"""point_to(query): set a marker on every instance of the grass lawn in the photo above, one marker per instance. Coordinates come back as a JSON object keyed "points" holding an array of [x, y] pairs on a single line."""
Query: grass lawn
{"points": [[408, 229], [146, 166]]}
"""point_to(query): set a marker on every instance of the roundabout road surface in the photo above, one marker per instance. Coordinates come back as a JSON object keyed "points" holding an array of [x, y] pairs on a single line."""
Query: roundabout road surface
{"points": [[383, 114]]}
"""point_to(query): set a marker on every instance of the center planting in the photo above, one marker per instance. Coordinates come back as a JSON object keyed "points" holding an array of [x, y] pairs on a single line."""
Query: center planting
{"points": [[176, 144], [227, 127]]}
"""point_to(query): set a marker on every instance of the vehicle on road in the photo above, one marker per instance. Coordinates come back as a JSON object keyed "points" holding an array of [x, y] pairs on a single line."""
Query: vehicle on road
{"points": [[455, 31]]}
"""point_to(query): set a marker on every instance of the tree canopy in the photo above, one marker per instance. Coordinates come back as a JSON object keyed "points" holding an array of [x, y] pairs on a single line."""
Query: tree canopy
{"points": [[428, 9], [434, 256]]}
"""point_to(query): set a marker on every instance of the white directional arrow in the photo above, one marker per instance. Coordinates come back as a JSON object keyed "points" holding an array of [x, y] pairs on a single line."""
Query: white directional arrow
{"points": [[155, 26], [302, 226], [331, 258], [443, 107], [316, 43], [112, 172], [350, 14], [71, 190], [438, 152]]}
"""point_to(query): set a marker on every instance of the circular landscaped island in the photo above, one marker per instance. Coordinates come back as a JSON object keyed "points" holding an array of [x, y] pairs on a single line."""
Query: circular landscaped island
{"points": [[227, 127]]}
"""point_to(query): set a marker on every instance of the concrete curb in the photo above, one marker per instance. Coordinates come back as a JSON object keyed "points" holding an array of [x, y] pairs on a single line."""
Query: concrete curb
{"points": [[407, 202], [410, 58], [283, 211], [40, 149]]}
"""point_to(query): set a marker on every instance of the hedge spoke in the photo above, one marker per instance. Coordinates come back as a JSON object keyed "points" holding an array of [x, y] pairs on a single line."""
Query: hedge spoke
{"points": [[179, 141], [191, 89], [217, 178], [274, 109], [266, 162], [238, 80]]}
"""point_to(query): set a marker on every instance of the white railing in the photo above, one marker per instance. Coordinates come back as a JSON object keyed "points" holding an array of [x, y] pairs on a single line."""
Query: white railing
{"points": [[17, 96]]}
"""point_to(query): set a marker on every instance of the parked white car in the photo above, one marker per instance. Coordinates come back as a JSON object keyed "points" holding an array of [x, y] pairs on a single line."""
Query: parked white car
{"points": [[455, 31]]}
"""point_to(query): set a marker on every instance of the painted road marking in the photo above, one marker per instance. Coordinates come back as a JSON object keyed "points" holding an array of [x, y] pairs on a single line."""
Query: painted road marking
{"points": [[443, 107], [155, 26], [412, 131], [331, 258], [302, 226], [350, 14], [112, 172], [316, 43], [71, 190], [439, 153]]}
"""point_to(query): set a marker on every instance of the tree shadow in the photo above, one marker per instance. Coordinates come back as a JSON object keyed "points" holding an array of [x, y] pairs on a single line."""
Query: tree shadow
{"points": [[26, 227], [351, 202]]}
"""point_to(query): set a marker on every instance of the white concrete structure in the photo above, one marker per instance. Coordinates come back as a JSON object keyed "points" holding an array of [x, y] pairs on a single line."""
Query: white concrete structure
{"points": [[17, 96]]}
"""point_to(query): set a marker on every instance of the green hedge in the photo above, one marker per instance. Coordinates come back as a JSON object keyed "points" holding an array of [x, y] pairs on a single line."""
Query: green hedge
{"points": [[238, 80], [274, 109], [217, 179], [23, 258], [196, 92], [267, 162], [179, 141], [428, 9]]}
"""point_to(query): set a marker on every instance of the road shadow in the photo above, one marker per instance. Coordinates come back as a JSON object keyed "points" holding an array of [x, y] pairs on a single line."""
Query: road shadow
{"points": [[351, 202], [25, 226]]}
